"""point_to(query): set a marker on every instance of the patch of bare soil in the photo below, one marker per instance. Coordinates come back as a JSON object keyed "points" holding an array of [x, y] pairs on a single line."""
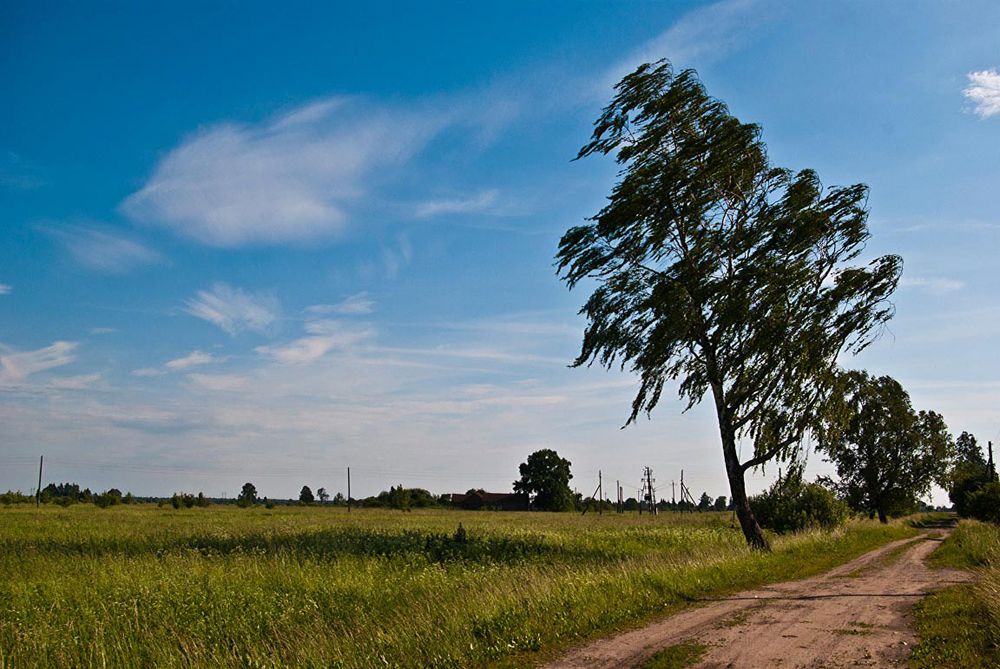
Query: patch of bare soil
{"points": [[857, 615]]}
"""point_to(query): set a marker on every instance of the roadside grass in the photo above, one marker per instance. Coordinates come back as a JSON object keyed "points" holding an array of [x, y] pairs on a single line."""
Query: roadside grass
{"points": [[676, 657], [959, 627], [318, 587]]}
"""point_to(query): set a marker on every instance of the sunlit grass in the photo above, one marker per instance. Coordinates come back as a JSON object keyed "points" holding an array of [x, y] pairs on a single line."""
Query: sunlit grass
{"points": [[318, 587]]}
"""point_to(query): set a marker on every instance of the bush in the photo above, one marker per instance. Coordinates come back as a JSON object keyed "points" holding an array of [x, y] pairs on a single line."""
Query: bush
{"points": [[984, 503], [791, 505]]}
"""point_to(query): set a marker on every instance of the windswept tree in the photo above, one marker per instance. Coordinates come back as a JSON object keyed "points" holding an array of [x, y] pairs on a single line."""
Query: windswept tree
{"points": [[887, 454], [323, 495], [545, 479], [717, 270]]}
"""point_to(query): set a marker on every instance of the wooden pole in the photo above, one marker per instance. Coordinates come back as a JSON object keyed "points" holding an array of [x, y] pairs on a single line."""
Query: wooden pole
{"points": [[38, 490], [348, 490]]}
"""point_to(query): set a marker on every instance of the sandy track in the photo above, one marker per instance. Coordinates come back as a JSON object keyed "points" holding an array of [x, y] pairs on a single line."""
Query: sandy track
{"points": [[856, 615]]}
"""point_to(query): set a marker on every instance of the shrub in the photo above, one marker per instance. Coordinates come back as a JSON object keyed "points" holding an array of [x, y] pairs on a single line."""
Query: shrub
{"points": [[984, 503], [791, 505]]}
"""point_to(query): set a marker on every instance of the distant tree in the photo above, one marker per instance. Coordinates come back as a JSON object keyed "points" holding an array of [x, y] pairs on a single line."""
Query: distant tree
{"points": [[705, 502], [202, 501], [306, 495], [720, 503], [631, 504], [176, 501], [248, 495], [887, 455], [399, 498], [129, 498], [968, 474], [339, 499], [545, 479], [323, 495], [717, 269]]}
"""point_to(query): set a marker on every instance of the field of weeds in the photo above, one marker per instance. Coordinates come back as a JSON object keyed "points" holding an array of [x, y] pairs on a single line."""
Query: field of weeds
{"points": [[318, 587]]}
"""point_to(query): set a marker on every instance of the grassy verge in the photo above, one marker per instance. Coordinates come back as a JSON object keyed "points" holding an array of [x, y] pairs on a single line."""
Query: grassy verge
{"points": [[308, 587], [676, 657], [959, 627]]}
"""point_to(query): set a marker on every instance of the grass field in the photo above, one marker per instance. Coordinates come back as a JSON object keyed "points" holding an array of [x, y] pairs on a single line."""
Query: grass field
{"points": [[318, 587], [959, 627]]}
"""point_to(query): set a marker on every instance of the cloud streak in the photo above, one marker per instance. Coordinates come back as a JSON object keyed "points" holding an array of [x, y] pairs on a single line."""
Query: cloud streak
{"points": [[16, 366], [234, 310], [102, 250]]}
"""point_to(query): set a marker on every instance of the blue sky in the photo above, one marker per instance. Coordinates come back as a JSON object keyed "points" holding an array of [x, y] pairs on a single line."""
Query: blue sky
{"points": [[244, 242]]}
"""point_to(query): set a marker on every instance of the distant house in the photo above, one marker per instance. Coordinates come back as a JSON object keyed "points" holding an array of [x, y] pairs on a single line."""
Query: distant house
{"points": [[480, 499]]}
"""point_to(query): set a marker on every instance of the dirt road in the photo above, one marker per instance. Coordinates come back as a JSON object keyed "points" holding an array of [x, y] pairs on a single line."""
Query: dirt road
{"points": [[856, 615]]}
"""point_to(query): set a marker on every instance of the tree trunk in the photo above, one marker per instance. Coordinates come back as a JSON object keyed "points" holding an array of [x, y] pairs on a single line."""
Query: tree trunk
{"points": [[882, 517], [738, 491], [871, 514]]}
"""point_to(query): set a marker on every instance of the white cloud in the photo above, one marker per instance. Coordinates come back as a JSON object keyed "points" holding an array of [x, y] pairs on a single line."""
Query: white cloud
{"points": [[324, 336], [937, 286], [355, 305], [18, 365], [78, 382], [703, 35], [984, 92], [5, 289], [233, 309], [219, 382], [469, 205], [289, 179], [147, 372], [102, 250], [193, 359]]}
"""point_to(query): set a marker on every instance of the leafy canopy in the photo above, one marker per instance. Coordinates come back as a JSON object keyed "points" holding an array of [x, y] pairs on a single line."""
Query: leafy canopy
{"points": [[717, 269], [887, 454], [545, 477]]}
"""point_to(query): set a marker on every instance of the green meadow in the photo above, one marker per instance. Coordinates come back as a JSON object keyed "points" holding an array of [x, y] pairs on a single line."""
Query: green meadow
{"points": [[321, 587]]}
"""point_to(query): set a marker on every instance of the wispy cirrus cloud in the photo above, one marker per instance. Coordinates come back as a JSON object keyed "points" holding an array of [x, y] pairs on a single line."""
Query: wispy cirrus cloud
{"points": [[192, 359], [292, 178], [479, 202], [100, 249], [5, 289], [323, 337], [235, 310], [703, 35], [935, 285], [355, 305], [984, 92], [16, 365]]}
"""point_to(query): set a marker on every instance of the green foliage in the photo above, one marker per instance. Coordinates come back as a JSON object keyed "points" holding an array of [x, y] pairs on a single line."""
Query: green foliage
{"points": [[719, 504], [247, 496], [718, 270], [12, 497], [306, 495], [307, 587], [887, 455], [792, 505], [969, 473], [984, 503], [545, 477]]}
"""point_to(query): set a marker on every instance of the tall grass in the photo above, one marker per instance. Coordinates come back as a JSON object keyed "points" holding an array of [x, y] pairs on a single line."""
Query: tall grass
{"points": [[318, 587], [960, 626]]}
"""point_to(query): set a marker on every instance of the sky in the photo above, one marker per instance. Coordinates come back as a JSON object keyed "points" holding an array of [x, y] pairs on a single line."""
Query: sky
{"points": [[251, 242]]}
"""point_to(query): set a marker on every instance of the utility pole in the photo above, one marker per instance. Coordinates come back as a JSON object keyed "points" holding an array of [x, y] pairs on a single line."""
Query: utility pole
{"points": [[600, 493], [348, 490], [673, 495], [648, 492], [38, 490], [993, 469]]}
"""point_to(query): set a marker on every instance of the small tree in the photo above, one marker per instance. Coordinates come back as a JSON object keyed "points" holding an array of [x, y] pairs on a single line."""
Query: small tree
{"points": [[705, 502], [545, 479], [248, 495], [306, 495], [887, 455], [969, 473], [720, 503], [791, 504], [323, 495], [720, 271]]}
